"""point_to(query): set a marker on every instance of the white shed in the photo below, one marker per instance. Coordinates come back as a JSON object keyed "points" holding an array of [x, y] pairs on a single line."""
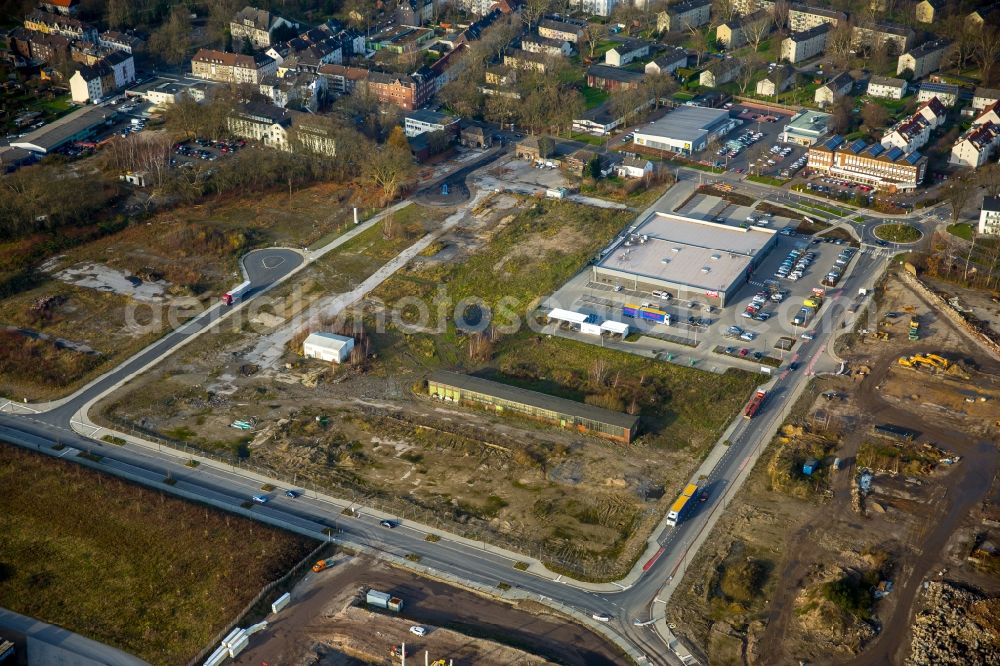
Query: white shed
{"points": [[328, 347]]}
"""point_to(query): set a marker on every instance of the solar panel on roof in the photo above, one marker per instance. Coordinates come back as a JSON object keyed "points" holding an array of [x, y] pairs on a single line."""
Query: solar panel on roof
{"points": [[894, 153], [833, 142], [876, 149], [913, 158], [858, 145]]}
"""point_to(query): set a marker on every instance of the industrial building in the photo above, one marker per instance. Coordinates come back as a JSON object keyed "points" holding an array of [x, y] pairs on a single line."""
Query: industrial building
{"points": [[685, 256], [328, 347], [569, 414], [686, 129], [79, 125]]}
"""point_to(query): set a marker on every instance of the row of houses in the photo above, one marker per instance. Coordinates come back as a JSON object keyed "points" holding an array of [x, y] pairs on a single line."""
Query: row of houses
{"points": [[976, 146]]}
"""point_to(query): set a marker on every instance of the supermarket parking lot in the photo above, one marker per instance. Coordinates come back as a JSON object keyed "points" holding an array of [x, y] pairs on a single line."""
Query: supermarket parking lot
{"points": [[699, 332]]}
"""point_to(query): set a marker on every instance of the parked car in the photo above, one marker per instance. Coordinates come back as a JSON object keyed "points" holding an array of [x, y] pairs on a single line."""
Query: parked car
{"points": [[418, 631]]}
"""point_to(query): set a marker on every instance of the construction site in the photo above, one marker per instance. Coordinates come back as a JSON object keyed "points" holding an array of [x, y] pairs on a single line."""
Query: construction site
{"points": [[877, 503]]}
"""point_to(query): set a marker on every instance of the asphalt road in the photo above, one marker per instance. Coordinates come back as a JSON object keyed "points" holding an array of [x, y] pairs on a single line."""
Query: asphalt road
{"points": [[230, 488], [262, 267]]}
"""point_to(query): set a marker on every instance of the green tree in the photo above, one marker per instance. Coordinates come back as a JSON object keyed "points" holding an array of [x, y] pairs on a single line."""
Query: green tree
{"points": [[594, 167]]}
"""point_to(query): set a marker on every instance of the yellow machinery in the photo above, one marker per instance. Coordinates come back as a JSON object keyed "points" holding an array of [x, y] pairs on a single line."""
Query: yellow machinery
{"points": [[927, 361]]}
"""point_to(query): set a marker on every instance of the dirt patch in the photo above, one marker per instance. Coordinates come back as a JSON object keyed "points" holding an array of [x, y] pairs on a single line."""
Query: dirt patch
{"points": [[325, 619]]}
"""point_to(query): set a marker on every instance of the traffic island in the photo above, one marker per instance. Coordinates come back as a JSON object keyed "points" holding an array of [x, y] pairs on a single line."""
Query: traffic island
{"points": [[897, 233]]}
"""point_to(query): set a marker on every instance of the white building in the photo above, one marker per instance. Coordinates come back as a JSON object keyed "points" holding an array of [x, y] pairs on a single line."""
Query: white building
{"points": [[423, 120], [973, 149], [685, 130], [989, 216], [328, 347], [634, 167], [596, 7], [886, 88], [946, 93]]}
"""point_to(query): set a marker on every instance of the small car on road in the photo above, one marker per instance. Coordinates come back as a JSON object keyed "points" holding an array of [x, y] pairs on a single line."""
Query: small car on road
{"points": [[387, 523]]}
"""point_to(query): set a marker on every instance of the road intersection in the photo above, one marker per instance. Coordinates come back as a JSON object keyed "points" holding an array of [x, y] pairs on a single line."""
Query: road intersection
{"points": [[637, 604]]}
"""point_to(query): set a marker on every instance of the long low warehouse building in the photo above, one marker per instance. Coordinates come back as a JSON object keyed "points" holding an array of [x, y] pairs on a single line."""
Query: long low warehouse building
{"points": [[686, 129], [687, 257], [455, 387]]}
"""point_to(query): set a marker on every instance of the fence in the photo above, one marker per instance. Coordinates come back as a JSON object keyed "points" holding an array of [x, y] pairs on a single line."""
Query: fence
{"points": [[306, 562]]}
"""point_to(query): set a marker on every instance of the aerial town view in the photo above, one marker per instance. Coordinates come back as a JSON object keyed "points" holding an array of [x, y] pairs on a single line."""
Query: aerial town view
{"points": [[500, 332]]}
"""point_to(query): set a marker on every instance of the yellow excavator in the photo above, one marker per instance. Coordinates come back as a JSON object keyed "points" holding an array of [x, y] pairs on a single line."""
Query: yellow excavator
{"points": [[926, 361]]}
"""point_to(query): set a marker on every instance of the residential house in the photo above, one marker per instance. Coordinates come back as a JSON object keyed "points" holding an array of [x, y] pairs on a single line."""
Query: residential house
{"points": [[984, 97], [57, 24], [401, 39], [933, 111], [684, 15], [475, 135], [282, 129], [744, 7], [987, 14], [341, 80], [974, 148], [805, 44], [226, 67], [833, 89], [927, 11], [896, 38], [924, 59], [415, 12], [423, 120], [990, 114], [547, 46], [91, 84], [408, 92], [946, 93], [803, 17], [123, 66], [119, 41], [720, 72], [668, 63], [256, 26], [568, 32], [733, 34], [634, 167], [989, 216], [908, 134], [778, 80], [520, 59], [874, 165], [300, 90], [611, 79], [604, 119], [65, 7], [886, 88], [625, 52], [39, 48]]}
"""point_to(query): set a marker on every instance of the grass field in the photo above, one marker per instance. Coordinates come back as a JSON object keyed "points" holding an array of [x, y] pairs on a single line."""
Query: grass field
{"points": [[897, 233], [594, 97], [148, 573], [962, 230]]}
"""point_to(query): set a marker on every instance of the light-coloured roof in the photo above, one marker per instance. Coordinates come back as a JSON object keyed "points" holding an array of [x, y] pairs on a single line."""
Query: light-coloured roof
{"points": [[614, 327], [683, 250], [568, 316], [685, 123], [327, 340]]}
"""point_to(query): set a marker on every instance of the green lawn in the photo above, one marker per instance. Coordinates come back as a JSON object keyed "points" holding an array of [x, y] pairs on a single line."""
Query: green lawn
{"points": [[962, 230], [897, 233], [768, 180], [587, 138], [594, 97]]}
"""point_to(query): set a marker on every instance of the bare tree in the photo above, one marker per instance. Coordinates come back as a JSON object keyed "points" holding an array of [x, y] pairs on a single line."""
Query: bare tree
{"points": [[957, 195], [756, 27], [840, 44], [725, 10], [593, 34], [779, 14], [987, 50], [699, 42], [746, 71]]}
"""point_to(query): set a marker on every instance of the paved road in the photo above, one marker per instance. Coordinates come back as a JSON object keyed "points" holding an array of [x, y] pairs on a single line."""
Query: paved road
{"points": [[639, 597], [263, 268]]}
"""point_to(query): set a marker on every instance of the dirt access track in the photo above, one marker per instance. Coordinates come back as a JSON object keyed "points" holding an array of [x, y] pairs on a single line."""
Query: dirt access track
{"points": [[320, 627]]}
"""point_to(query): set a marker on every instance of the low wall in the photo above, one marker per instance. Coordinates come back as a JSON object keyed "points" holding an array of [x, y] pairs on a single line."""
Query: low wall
{"points": [[952, 314]]}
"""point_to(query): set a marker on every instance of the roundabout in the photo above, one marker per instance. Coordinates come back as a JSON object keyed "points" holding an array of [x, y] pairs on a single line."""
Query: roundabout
{"points": [[897, 233]]}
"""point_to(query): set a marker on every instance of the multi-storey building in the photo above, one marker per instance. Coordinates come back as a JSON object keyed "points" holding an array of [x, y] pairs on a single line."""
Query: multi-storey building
{"points": [[39, 47], [57, 24], [927, 11], [627, 51], [595, 7], [282, 129], [874, 165], [933, 111], [946, 93], [896, 38], [909, 134], [521, 59], [405, 91], [91, 84], [422, 120], [119, 41], [613, 78], [684, 15], [886, 88], [778, 80], [546, 45], [232, 67], [720, 72], [805, 44], [342, 80], [974, 148], [667, 63], [922, 60], [989, 216], [984, 97], [803, 17], [569, 32], [255, 26]]}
